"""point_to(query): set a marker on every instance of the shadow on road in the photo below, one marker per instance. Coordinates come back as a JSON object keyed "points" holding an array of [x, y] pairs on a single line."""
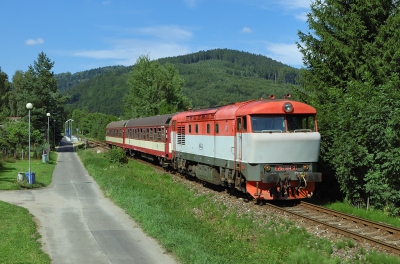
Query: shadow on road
{"points": [[65, 146]]}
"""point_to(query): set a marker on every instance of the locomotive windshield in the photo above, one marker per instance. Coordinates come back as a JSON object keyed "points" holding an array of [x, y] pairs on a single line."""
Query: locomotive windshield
{"points": [[276, 123], [301, 123], [268, 123]]}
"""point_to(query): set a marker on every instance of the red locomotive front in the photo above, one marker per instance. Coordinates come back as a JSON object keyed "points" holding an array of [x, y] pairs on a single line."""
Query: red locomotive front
{"points": [[267, 148]]}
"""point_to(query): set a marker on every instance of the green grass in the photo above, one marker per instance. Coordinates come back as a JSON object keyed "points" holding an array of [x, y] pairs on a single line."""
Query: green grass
{"points": [[18, 235], [197, 230], [43, 173], [373, 215]]}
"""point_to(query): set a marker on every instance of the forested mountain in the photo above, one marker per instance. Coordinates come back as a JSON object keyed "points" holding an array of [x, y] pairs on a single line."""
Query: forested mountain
{"points": [[213, 77], [67, 80]]}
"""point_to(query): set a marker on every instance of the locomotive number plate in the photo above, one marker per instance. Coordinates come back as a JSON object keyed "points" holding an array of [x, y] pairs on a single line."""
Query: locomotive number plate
{"points": [[286, 168]]}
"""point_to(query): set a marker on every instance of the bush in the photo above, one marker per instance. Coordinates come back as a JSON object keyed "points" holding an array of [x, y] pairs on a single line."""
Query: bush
{"points": [[117, 155]]}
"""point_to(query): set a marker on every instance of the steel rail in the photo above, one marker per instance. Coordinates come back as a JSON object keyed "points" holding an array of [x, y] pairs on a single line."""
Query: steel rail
{"points": [[342, 230]]}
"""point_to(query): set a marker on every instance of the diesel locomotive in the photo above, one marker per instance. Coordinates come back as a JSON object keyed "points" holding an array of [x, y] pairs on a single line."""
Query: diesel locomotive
{"points": [[267, 148]]}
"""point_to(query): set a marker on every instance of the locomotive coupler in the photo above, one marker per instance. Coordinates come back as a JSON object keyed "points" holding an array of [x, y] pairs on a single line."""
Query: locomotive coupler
{"points": [[302, 180]]}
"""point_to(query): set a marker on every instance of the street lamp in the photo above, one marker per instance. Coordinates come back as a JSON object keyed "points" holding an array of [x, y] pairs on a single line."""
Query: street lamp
{"points": [[48, 120], [54, 133], [29, 106], [70, 129]]}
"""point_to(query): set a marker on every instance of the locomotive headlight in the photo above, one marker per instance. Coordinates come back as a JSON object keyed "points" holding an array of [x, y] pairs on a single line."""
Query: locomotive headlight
{"points": [[288, 107], [267, 168], [305, 167]]}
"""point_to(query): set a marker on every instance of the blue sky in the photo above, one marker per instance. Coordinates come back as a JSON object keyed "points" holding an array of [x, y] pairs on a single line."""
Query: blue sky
{"points": [[80, 35]]}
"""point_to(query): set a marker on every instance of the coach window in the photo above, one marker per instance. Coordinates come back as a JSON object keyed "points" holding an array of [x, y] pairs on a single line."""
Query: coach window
{"points": [[155, 136], [150, 134], [216, 128], [208, 128], [197, 128], [162, 134]]}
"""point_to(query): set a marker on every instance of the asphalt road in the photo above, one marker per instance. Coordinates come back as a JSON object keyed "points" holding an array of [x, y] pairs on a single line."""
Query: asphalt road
{"points": [[78, 224]]}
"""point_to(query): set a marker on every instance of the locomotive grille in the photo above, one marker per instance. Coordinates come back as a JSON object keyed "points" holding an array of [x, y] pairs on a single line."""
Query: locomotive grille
{"points": [[181, 135]]}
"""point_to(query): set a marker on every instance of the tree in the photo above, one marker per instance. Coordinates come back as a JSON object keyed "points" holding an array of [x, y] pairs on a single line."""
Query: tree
{"points": [[352, 60], [4, 94], [154, 90], [38, 86]]}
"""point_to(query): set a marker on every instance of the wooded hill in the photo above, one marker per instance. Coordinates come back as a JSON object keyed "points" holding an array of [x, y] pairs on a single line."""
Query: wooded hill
{"points": [[213, 77]]}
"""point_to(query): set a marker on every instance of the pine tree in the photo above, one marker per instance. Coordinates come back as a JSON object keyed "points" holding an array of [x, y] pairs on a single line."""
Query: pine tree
{"points": [[352, 64]]}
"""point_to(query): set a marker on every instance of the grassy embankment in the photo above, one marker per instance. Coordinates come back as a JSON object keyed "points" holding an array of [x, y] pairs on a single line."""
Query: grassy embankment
{"points": [[18, 234], [197, 230]]}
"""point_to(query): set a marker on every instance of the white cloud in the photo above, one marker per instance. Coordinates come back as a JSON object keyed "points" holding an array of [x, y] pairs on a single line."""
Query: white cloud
{"points": [[191, 3], [298, 8], [163, 32], [246, 30], [34, 41], [286, 53], [302, 16], [125, 52], [295, 4]]}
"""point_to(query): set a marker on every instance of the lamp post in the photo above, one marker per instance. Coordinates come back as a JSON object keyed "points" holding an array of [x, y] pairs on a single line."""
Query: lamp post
{"points": [[29, 106], [54, 133], [66, 128], [48, 121], [70, 129]]}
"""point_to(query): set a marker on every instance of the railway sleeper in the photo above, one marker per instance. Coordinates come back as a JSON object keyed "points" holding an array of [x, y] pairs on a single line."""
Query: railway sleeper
{"points": [[372, 233]]}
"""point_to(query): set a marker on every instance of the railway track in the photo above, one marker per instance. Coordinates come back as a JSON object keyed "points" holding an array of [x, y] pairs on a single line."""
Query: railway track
{"points": [[385, 236]]}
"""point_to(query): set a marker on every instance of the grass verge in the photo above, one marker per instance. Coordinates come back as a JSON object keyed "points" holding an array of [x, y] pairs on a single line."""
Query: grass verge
{"points": [[11, 167], [373, 215], [197, 230], [18, 236]]}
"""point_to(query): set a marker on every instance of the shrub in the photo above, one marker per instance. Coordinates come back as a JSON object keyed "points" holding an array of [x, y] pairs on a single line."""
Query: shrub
{"points": [[117, 155]]}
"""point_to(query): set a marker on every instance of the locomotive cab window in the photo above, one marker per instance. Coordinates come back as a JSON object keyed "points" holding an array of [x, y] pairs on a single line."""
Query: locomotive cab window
{"points": [[268, 123], [301, 123], [241, 123], [208, 128]]}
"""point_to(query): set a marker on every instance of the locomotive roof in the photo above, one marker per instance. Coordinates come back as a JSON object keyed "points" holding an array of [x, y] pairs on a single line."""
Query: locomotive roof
{"points": [[160, 120], [116, 124], [274, 107], [266, 106]]}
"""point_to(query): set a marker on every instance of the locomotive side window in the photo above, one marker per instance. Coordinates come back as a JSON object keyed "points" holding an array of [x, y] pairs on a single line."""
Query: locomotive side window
{"points": [[238, 124], [208, 128], [268, 123], [197, 128], [301, 123], [216, 128], [190, 128]]}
